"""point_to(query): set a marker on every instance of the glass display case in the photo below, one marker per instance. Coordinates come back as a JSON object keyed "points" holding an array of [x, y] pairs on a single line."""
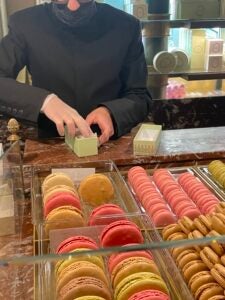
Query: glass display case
{"points": [[104, 255]]}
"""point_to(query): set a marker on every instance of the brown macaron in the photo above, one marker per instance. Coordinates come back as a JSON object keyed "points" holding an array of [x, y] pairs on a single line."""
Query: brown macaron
{"points": [[187, 256], [169, 230], [192, 268], [200, 278], [218, 273], [200, 224], [217, 297], [186, 224], [177, 236], [196, 234], [209, 257], [208, 290], [218, 223], [217, 247]]}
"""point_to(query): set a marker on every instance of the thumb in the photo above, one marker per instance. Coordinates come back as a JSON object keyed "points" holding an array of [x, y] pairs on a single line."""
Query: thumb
{"points": [[90, 119]]}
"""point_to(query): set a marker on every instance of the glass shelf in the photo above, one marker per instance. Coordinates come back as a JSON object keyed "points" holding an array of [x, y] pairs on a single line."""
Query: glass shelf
{"points": [[192, 75], [190, 24]]}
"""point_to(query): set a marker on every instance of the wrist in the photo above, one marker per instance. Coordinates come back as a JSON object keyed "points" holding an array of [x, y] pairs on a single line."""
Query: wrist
{"points": [[46, 101]]}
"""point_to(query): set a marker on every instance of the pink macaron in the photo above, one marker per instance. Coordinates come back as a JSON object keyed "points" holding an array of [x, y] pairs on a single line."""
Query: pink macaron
{"points": [[116, 258], [120, 233], [61, 199], [106, 214], [76, 242]]}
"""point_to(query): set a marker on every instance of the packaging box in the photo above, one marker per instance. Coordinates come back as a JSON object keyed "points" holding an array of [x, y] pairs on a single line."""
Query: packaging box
{"points": [[146, 141], [134, 2], [198, 49], [214, 63], [214, 46], [195, 9], [85, 146], [140, 11], [82, 146]]}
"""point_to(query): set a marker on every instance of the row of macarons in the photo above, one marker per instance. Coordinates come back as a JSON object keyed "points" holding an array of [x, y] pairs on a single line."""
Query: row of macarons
{"points": [[217, 169], [166, 198], [129, 275], [202, 266]]}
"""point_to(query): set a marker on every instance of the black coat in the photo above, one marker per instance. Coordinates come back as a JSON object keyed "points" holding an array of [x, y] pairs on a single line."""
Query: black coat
{"points": [[101, 63]]}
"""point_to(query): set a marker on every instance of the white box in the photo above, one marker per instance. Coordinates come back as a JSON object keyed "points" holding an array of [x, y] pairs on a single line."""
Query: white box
{"points": [[214, 46], [214, 63], [195, 9], [134, 2], [140, 11], [147, 139]]}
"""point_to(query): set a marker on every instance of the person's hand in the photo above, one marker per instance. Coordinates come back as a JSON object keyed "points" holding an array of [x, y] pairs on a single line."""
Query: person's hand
{"points": [[101, 117], [62, 114]]}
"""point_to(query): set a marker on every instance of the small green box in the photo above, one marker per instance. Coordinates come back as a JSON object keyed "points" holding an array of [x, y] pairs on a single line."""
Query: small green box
{"points": [[85, 146], [82, 146], [146, 141]]}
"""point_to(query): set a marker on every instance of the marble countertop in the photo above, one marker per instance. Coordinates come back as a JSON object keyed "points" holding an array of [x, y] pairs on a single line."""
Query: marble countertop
{"points": [[176, 146]]}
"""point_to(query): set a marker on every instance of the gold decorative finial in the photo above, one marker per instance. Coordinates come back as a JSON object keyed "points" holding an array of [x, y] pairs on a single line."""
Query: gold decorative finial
{"points": [[13, 127]]}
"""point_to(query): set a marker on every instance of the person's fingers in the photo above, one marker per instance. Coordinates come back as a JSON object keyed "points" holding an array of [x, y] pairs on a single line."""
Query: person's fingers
{"points": [[59, 125], [71, 127], [83, 126]]}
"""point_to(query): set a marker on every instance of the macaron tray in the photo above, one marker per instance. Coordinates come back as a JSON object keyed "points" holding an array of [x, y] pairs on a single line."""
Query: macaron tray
{"points": [[167, 195], [57, 198], [114, 270], [214, 173]]}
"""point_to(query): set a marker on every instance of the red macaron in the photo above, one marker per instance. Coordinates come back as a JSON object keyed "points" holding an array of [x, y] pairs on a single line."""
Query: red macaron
{"points": [[76, 242], [61, 199], [106, 214], [120, 233]]}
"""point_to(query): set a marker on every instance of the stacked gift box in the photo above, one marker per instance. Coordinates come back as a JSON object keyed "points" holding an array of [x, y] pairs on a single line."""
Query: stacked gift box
{"points": [[137, 8]]}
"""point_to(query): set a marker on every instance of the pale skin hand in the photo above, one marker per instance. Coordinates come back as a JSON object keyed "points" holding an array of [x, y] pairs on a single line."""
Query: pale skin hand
{"points": [[101, 116], [62, 114]]}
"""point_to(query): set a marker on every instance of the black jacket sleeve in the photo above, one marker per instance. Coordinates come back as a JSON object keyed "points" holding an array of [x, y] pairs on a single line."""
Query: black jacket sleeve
{"points": [[20, 100], [133, 105]]}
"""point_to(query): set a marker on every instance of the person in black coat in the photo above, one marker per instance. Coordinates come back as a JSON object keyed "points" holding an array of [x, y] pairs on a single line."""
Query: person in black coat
{"points": [[87, 66]]}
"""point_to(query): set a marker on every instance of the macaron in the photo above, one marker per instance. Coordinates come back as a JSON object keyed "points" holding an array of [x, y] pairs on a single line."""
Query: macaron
{"points": [[90, 298], [120, 233], [218, 223], [149, 295], [208, 290], [170, 229], [218, 273], [193, 267], [80, 269], [217, 247], [139, 282], [106, 214], [132, 265], [96, 189], [117, 258], [55, 179], [163, 218], [187, 256], [84, 286], [76, 242], [200, 278], [55, 190], [186, 224], [94, 259], [63, 217], [61, 199]]}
